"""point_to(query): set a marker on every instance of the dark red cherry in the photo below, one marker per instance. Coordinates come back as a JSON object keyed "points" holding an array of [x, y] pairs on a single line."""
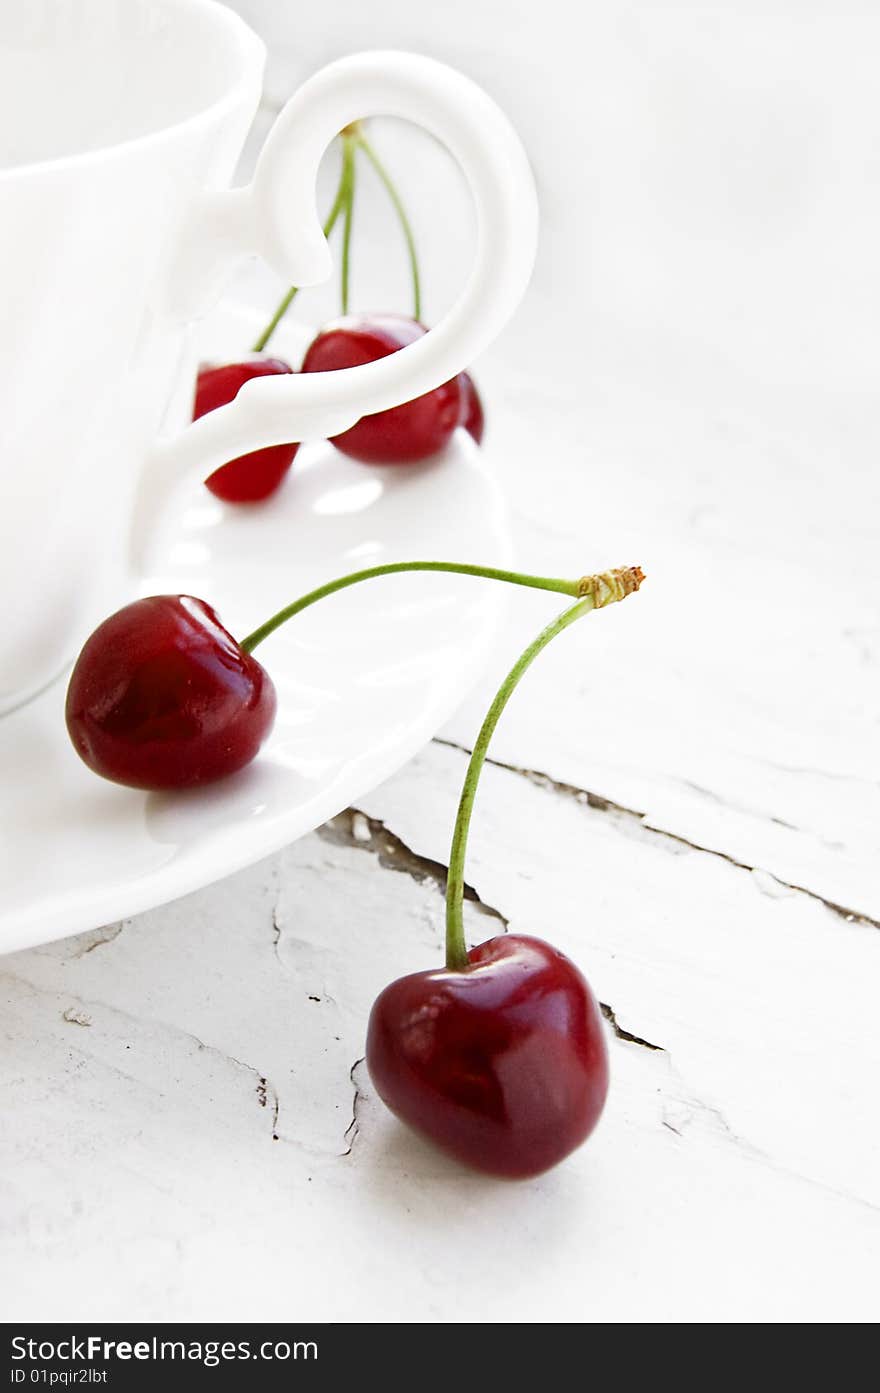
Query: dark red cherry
{"points": [[473, 417], [253, 477], [162, 696], [503, 1064], [404, 434]]}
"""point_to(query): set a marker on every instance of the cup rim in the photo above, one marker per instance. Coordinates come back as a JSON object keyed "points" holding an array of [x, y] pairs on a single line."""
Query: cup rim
{"points": [[252, 52]]}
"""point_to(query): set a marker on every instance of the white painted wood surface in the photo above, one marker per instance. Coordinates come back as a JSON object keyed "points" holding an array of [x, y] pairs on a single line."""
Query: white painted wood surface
{"points": [[686, 793]]}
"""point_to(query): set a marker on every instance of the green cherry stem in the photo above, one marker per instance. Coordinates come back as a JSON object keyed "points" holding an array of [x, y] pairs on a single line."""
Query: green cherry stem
{"points": [[288, 299], [596, 592], [582, 587], [405, 225], [349, 144], [353, 139]]}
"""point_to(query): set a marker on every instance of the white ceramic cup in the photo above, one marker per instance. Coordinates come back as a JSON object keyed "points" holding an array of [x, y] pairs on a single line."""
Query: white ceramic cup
{"points": [[120, 125]]}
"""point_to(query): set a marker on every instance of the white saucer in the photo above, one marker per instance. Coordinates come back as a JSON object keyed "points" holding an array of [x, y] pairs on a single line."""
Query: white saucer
{"points": [[364, 679]]}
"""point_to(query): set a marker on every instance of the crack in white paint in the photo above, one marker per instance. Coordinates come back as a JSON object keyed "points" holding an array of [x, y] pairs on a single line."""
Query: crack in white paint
{"points": [[675, 1119], [353, 828], [626, 1035], [598, 803], [82, 1012], [352, 1131]]}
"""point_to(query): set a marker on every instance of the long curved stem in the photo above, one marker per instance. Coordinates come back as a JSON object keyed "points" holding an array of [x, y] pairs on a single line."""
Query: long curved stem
{"points": [[561, 586], [597, 591], [288, 299], [403, 219]]}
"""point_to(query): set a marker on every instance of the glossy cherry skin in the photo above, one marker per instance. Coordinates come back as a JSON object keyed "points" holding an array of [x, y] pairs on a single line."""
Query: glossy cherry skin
{"points": [[404, 434], [249, 478], [473, 418], [504, 1064], [162, 696]]}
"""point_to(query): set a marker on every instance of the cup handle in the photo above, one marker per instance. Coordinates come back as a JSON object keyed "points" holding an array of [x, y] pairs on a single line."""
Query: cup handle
{"points": [[276, 217]]}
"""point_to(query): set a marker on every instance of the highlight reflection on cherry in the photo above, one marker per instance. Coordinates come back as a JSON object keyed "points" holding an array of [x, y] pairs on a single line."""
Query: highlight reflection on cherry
{"points": [[249, 478], [162, 696], [503, 1063], [498, 1057], [403, 434]]}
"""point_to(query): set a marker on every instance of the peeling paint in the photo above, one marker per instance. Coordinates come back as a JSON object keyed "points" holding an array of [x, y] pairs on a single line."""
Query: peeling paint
{"points": [[394, 855], [350, 1135], [598, 803]]}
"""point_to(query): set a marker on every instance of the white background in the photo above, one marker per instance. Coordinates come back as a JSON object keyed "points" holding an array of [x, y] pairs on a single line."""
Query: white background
{"points": [[691, 384]]}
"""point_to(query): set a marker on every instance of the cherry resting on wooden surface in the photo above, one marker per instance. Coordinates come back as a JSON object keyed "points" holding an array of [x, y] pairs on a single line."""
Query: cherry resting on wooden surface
{"points": [[503, 1064], [499, 1057], [255, 476], [163, 697], [403, 434]]}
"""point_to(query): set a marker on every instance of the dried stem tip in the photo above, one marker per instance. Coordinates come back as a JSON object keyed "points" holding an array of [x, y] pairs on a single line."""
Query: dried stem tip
{"points": [[608, 586]]}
